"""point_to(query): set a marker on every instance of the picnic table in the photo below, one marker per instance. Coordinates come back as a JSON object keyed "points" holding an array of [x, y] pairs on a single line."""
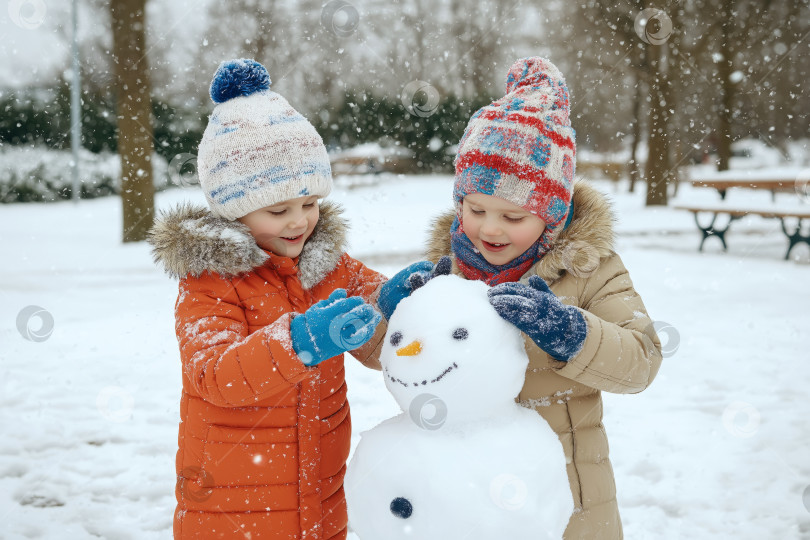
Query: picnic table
{"points": [[723, 184], [775, 181]]}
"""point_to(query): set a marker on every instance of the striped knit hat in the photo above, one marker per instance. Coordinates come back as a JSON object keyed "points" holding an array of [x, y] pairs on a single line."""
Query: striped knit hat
{"points": [[521, 147], [257, 150]]}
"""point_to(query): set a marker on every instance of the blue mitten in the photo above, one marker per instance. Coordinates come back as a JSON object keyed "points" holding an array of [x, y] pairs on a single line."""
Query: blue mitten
{"points": [[558, 329], [332, 327], [398, 287]]}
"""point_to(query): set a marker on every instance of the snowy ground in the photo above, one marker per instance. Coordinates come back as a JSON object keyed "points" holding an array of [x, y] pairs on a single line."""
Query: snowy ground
{"points": [[716, 448]]}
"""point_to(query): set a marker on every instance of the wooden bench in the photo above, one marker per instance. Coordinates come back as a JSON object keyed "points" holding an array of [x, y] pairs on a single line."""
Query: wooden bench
{"points": [[794, 237], [775, 186], [355, 165]]}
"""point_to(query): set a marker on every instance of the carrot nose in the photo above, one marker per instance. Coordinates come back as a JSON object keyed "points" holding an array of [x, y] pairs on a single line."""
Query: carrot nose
{"points": [[411, 349]]}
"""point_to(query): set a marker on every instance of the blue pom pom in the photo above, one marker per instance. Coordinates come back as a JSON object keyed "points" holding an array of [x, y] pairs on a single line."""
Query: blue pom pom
{"points": [[241, 77]]}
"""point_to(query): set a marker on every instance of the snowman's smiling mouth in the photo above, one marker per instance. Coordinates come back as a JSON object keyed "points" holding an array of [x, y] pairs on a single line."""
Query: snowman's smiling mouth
{"points": [[425, 381]]}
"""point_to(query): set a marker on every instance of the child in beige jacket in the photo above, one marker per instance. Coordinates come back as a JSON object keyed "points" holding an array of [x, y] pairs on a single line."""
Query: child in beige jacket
{"points": [[545, 245]]}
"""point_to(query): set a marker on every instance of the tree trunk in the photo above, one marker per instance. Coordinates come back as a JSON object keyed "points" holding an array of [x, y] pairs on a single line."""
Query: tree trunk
{"points": [[258, 50], [724, 68], [658, 162], [640, 67], [483, 47], [458, 75], [634, 169], [134, 104], [419, 40]]}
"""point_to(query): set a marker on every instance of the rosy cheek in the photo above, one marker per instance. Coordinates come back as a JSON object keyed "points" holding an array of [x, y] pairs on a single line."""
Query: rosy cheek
{"points": [[471, 227], [524, 237]]}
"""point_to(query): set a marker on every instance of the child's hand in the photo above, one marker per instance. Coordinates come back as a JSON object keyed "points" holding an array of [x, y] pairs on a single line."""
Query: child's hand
{"points": [[398, 287], [442, 268], [558, 329], [408, 280], [333, 326]]}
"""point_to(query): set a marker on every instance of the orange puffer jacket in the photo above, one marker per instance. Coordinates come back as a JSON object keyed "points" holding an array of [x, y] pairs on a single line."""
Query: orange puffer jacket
{"points": [[263, 438]]}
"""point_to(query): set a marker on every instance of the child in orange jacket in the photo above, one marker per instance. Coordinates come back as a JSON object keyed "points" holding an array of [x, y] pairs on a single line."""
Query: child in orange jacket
{"points": [[268, 303]]}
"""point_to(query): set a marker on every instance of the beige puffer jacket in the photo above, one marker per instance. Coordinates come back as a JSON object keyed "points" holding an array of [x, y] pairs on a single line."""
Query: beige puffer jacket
{"points": [[621, 354]]}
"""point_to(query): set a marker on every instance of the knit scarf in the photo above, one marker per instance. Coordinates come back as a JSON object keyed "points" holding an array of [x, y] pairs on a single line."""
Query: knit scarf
{"points": [[473, 265]]}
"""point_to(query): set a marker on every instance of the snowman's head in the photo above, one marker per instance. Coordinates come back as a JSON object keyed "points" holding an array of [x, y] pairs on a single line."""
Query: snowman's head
{"points": [[449, 357]]}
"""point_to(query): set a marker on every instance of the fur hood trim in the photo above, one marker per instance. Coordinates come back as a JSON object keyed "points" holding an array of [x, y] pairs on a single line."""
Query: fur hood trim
{"points": [[577, 250], [190, 240]]}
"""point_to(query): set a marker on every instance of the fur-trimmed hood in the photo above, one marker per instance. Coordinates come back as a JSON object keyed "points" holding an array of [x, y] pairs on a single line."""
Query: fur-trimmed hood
{"points": [[190, 240], [577, 249]]}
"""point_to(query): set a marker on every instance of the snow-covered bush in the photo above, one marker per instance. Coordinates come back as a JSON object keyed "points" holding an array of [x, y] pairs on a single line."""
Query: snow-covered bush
{"points": [[754, 154], [798, 151], [32, 174]]}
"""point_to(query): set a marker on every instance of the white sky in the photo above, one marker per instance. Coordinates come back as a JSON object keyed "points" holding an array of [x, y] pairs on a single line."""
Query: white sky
{"points": [[34, 34]]}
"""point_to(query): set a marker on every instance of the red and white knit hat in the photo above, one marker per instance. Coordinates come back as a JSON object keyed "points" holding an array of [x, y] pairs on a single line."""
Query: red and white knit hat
{"points": [[522, 147]]}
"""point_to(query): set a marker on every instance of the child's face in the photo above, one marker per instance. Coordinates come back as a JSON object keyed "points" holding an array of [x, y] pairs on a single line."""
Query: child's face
{"points": [[285, 227], [500, 230]]}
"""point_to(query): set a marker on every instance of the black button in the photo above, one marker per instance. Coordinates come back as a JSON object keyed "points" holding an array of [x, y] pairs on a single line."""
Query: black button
{"points": [[401, 507]]}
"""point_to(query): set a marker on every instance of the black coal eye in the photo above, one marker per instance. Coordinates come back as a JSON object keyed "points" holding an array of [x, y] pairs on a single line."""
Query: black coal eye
{"points": [[396, 338], [401, 507], [460, 333]]}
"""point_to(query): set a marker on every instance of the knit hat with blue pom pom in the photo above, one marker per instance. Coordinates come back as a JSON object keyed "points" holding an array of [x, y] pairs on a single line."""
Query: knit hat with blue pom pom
{"points": [[257, 150]]}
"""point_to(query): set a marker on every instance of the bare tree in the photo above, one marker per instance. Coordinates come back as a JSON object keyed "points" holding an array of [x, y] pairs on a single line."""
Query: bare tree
{"points": [[674, 93], [658, 171], [609, 77], [133, 104], [634, 170]]}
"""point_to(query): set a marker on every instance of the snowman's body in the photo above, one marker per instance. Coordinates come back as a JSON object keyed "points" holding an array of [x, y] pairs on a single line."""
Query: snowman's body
{"points": [[463, 461]]}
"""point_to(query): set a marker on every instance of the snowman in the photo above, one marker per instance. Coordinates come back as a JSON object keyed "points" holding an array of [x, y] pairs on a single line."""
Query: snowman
{"points": [[463, 460]]}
